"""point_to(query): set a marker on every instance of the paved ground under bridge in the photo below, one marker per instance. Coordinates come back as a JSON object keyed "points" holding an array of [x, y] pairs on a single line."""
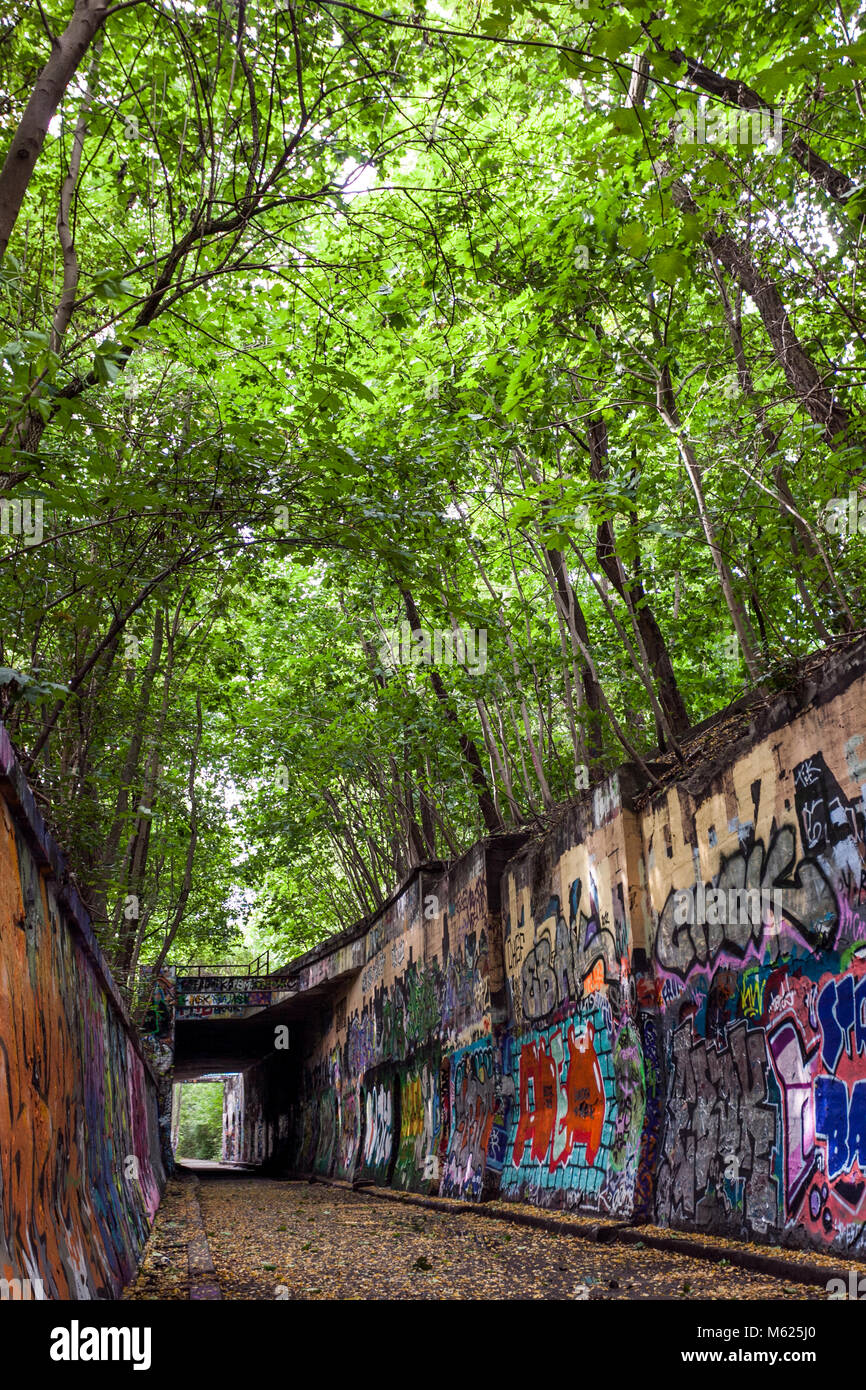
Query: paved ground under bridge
{"points": [[272, 1240]]}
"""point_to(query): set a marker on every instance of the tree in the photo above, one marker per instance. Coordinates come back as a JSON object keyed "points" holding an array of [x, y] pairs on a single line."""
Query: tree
{"points": [[407, 420]]}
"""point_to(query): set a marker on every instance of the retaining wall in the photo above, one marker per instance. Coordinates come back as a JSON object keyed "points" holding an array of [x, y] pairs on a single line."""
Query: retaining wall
{"points": [[80, 1167]]}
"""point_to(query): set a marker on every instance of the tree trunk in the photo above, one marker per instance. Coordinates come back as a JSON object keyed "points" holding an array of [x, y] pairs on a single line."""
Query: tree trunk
{"points": [[802, 375], [67, 52], [633, 595], [471, 756]]}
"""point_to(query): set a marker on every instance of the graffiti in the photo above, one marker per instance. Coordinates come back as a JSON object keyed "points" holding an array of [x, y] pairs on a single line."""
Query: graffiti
{"points": [[420, 1128], [350, 1135], [752, 994], [808, 907], [224, 984], [161, 992], [73, 1214], [192, 1002], [840, 1097], [840, 1119], [718, 1105], [327, 1132], [554, 1115], [791, 1064], [233, 1119], [373, 973], [630, 1093], [466, 995], [715, 1080], [515, 947], [567, 958], [562, 1122], [409, 1013], [361, 1045], [815, 1041], [158, 1045], [420, 996], [472, 1115], [306, 1137], [378, 1130], [842, 1012], [826, 816], [467, 913], [654, 1093]]}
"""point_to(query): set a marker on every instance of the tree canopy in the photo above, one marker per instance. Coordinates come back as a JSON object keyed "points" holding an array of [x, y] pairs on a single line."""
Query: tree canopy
{"points": [[409, 415]]}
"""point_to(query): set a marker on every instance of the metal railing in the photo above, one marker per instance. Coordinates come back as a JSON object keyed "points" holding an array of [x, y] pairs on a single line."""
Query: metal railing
{"points": [[255, 967]]}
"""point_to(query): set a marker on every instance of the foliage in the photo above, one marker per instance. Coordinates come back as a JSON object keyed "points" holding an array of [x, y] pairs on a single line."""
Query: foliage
{"points": [[200, 1124]]}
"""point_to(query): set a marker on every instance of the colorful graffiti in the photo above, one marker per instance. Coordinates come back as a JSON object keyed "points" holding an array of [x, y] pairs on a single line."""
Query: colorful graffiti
{"points": [[566, 959], [472, 1107], [80, 1164], [766, 1106], [417, 1166], [378, 1131], [644, 1187], [349, 1138], [563, 1121]]}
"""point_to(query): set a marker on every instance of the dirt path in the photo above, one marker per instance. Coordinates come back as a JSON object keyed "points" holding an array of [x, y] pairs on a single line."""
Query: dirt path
{"points": [[273, 1240]]}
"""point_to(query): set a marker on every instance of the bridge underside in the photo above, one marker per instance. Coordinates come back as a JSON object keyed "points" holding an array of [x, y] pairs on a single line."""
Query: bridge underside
{"points": [[203, 1045], [205, 1023], [258, 1051]]}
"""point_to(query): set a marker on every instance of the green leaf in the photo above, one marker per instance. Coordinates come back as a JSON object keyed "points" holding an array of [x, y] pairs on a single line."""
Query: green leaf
{"points": [[670, 266], [633, 238]]}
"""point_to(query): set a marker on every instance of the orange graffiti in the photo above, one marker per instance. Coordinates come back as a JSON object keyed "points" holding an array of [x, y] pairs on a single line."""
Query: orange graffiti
{"points": [[554, 1115]]}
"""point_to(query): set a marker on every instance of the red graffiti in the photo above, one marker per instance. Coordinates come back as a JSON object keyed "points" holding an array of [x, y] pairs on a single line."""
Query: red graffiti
{"points": [[562, 1100]]}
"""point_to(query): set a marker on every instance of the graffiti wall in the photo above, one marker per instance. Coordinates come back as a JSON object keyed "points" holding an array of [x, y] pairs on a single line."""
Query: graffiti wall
{"points": [[256, 1112], [80, 1166], [158, 988], [418, 1157], [474, 1151], [573, 1076], [420, 984], [656, 1011], [758, 885]]}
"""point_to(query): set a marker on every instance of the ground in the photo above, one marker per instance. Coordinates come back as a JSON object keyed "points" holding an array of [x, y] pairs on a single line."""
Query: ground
{"points": [[272, 1240]]}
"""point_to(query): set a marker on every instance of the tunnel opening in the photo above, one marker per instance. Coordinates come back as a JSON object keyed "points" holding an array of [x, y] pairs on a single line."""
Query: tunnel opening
{"points": [[205, 1118]]}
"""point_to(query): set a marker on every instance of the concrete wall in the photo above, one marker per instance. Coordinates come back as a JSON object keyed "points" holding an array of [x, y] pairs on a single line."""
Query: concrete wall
{"points": [[393, 1060], [80, 1167], [763, 1023], [554, 1029], [256, 1113]]}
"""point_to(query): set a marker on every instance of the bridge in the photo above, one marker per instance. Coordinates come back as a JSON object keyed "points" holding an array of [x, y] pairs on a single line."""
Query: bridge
{"points": [[202, 1018]]}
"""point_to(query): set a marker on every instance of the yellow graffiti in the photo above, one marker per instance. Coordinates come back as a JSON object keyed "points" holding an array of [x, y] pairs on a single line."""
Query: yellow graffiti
{"points": [[752, 996], [413, 1108]]}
